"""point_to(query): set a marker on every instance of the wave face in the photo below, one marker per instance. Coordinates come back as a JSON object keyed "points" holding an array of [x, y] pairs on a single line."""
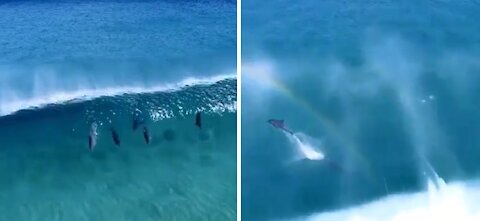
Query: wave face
{"points": [[50, 173], [387, 91]]}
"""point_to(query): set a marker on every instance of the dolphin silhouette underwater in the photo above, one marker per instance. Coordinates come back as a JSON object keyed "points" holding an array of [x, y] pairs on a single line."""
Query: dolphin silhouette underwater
{"points": [[198, 120], [146, 134], [115, 137], [280, 124], [92, 136]]}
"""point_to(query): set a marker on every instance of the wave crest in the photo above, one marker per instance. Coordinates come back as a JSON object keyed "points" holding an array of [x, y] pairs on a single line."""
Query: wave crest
{"points": [[13, 103]]}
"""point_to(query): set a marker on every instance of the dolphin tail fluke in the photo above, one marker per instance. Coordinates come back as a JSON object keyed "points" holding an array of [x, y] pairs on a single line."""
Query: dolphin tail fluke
{"points": [[291, 132], [288, 131]]}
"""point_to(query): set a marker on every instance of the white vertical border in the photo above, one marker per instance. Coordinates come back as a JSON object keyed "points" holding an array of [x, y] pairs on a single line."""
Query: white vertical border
{"points": [[239, 110]]}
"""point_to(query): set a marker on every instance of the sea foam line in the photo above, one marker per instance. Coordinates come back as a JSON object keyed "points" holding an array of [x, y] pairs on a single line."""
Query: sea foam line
{"points": [[14, 104]]}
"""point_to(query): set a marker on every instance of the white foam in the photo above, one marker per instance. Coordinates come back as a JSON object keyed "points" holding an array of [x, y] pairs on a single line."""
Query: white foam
{"points": [[453, 201], [306, 149], [13, 103]]}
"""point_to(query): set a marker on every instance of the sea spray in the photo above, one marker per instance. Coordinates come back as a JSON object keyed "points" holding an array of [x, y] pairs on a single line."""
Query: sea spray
{"points": [[305, 146], [308, 148]]}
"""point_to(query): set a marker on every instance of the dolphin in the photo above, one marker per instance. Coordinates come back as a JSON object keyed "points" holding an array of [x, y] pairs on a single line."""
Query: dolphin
{"points": [[115, 137], [198, 120], [92, 136], [280, 124], [146, 135]]}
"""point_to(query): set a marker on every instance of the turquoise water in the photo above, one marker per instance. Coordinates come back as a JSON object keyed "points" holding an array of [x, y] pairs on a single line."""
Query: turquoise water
{"points": [[184, 173], [66, 65], [388, 90]]}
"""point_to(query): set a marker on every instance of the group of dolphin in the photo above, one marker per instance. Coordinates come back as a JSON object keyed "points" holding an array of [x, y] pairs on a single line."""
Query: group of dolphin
{"points": [[92, 136]]}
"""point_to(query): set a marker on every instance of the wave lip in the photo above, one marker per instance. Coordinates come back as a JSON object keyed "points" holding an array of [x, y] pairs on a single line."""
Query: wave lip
{"points": [[13, 104]]}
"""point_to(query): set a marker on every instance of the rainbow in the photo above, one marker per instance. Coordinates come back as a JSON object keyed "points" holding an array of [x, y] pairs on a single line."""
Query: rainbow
{"points": [[330, 126]]}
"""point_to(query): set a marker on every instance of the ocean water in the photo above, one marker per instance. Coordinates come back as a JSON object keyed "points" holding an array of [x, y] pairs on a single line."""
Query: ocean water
{"points": [[67, 65], [383, 100], [52, 49]]}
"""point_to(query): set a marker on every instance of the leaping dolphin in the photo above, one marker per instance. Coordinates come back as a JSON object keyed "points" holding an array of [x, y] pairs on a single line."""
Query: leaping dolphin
{"points": [[92, 136], [280, 124]]}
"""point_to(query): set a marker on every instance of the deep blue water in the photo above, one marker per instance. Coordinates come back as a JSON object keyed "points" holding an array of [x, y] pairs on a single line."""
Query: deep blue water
{"points": [[66, 65], [382, 88]]}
